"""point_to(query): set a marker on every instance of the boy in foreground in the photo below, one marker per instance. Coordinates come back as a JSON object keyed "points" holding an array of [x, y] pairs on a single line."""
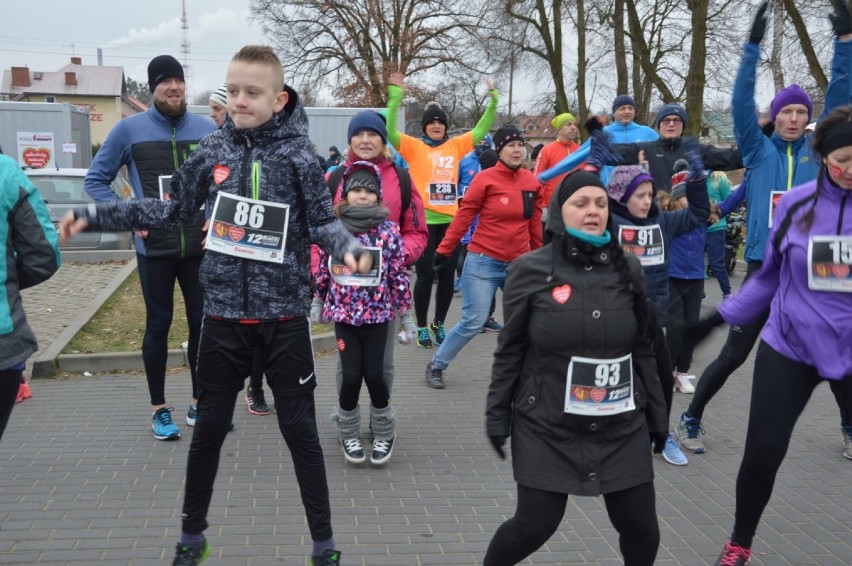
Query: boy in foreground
{"points": [[259, 175]]}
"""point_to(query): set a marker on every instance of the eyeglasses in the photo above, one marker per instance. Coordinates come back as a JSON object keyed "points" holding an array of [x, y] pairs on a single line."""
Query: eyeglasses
{"points": [[671, 121]]}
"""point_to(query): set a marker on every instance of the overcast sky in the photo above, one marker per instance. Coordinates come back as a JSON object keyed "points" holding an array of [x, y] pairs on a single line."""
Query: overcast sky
{"points": [[130, 35]]}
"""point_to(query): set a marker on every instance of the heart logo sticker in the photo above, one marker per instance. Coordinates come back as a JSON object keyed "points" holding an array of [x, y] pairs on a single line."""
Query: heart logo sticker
{"points": [[561, 294], [598, 394], [840, 271], [220, 173], [236, 234], [36, 157], [639, 250], [628, 235]]}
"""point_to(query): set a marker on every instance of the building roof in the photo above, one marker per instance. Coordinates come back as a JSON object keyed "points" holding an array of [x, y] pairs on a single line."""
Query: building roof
{"points": [[74, 79]]}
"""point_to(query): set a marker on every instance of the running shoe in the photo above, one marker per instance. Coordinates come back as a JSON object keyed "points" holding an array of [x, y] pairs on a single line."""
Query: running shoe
{"points": [[423, 339], [438, 331], [434, 376], [683, 382], [686, 433], [733, 555], [328, 558], [191, 554], [24, 392], [162, 425], [847, 441], [492, 325], [256, 402], [672, 453], [191, 415]]}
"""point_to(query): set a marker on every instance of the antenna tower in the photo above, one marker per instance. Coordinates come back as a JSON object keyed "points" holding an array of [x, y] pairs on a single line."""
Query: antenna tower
{"points": [[184, 49]]}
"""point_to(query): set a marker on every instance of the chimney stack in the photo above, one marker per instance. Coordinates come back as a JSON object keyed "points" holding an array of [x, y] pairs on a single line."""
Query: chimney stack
{"points": [[76, 60], [70, 78], [21, 76]]}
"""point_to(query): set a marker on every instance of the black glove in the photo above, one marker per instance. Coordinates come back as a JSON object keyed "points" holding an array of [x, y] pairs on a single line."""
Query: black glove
{"points": [[841, 21], [593, 124], [497, 441], [692, 153], [439, 261], [658, 441], [601, 152], [758, 27], [696, 332]]}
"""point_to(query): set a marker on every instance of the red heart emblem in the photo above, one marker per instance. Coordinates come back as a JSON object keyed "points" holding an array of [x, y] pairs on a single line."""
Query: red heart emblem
{"points": [[36, 157], [236, 234], [639, 250], [598, 394], [561, 294], [840, 271], [220, 173], [628, 235]]}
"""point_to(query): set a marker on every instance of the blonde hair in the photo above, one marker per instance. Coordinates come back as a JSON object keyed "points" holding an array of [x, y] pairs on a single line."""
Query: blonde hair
{"points": [[262, 55]]}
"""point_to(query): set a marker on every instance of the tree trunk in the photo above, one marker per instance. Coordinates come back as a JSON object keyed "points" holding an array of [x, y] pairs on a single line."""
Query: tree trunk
{"points": [[581, 63], [621, 77], [695, 77], [777, 46], [807, 47]]}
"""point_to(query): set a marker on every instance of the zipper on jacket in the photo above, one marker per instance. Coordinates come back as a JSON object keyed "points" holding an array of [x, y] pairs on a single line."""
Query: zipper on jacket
{"points": [[842, 210], [789, 166], [244, 180], [181, 231]]}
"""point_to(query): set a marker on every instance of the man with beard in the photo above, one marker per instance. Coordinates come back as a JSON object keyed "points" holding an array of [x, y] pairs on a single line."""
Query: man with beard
{"points": [[153, 145]]}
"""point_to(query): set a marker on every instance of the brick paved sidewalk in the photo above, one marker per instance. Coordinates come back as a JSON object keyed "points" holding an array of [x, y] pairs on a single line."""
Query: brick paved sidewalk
{"points": [[84, 482]]}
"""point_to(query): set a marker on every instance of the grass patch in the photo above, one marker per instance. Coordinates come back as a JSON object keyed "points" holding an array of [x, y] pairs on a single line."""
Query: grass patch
{"points": [[119, 325]]}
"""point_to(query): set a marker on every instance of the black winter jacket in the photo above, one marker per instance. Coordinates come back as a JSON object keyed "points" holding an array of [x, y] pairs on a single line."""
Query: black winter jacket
{"points": [[661, 155], [551, 449], [237, 288]]}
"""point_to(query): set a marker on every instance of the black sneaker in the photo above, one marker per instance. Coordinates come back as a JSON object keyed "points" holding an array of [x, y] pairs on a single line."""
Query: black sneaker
{"points": [[191, 554], [256, 402], [434, 376], [382, 450], [733, 555], [353, 451], [328, 558], [438, 331]]}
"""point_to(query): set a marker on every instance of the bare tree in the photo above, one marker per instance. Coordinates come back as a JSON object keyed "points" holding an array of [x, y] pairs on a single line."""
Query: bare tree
{"points": [[356, 45]]}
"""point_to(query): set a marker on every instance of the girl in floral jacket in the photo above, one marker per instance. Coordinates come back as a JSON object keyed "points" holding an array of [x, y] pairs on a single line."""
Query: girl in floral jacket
{"points": [[361, 306]]}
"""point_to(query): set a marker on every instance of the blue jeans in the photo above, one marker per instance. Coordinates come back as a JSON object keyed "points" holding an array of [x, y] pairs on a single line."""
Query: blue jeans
{"points": [[715, 248], [480, 279]]}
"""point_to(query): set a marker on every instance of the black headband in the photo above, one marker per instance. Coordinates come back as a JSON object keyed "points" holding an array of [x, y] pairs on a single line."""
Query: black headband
{"points": [[837, 136]]}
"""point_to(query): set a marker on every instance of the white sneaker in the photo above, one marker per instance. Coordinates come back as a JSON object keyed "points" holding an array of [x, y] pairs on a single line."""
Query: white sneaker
{"points": [[683, 382]]}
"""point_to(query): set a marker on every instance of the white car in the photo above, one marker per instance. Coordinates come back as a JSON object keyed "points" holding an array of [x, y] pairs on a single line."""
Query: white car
{"points": [[62, 189]]}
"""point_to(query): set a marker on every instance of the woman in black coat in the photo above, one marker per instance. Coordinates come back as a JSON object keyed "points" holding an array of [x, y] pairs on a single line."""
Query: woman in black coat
{"points": [[574, 382]]}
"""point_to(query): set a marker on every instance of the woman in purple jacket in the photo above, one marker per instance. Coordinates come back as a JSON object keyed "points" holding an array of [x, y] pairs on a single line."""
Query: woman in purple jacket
{"points": [[805, 280]]}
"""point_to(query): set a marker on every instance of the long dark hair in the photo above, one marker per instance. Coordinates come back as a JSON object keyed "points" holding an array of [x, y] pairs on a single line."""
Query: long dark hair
{"points": [[837, 116]]}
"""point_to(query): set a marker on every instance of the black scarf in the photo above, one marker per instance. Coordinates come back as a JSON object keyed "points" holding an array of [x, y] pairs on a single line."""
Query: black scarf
{"points": [[359, 219]]}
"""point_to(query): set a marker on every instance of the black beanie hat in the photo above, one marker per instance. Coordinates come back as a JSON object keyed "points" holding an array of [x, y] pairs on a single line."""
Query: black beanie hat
{"points": [[433, 112], [671, 109], [505, 135], [576, 181], [488, 159], [362, 175], [163, 67]]}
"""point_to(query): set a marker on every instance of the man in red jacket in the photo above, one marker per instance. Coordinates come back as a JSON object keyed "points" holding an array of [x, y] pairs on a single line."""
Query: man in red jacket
{"points": [[557, 150]]}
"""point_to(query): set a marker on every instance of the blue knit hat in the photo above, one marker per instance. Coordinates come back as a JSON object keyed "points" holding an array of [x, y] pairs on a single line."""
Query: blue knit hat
{"points": [[623, 100], [368, 120], [671, 109]]}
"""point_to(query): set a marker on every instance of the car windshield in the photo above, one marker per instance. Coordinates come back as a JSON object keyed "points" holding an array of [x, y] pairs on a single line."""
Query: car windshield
{"points": [[56, 189]]}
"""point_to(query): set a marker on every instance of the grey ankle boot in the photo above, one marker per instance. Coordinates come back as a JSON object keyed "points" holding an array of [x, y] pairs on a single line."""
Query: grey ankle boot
{"points": [[349, 430], [384, 434]]}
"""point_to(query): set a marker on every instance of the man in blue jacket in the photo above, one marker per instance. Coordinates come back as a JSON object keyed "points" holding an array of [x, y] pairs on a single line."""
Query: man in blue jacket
{"points": [[775, 164], [153, 145]]}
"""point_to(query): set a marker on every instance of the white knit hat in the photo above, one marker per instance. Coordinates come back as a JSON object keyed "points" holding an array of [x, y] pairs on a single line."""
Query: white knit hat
{"points": [[220, 96]]}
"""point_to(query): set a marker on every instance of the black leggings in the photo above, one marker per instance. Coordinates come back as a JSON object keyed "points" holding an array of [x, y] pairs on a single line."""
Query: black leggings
{"points": [[362, 354], [734, 353], [781, 389], [684, 309], [10, 382], [426, 275], [157, 277], [631, 511], [664, 368]]}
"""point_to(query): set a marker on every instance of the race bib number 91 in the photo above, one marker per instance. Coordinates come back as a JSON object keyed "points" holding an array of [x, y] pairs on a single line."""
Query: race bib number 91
{"points": [[644, 242], [599, 386], [248, 228]]}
